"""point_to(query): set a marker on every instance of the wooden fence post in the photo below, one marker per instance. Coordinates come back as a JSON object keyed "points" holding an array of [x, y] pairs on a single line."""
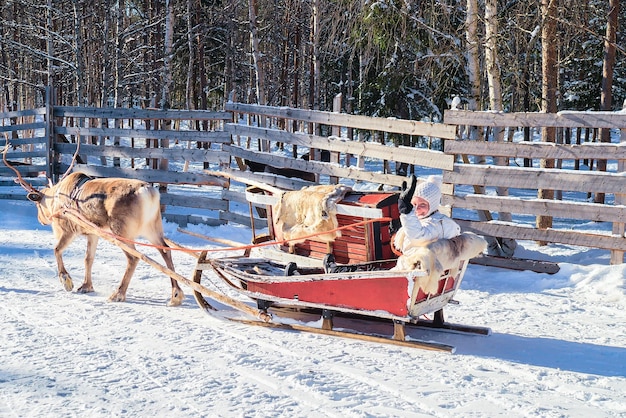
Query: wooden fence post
{"points": [[50, 172], [335, 131], [617, 257]]}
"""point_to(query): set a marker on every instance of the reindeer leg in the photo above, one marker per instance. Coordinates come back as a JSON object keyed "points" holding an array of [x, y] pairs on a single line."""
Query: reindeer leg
{"points": [[92, 244], [120, 294], [63, 241], [177, 292]]}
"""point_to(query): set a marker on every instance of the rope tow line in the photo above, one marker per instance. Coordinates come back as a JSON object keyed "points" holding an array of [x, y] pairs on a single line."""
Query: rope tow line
{"points": [[74, 213]]}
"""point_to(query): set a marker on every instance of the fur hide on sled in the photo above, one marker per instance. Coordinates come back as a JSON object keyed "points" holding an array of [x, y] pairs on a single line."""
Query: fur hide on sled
{"points": [[439, 256], [311, 210]]}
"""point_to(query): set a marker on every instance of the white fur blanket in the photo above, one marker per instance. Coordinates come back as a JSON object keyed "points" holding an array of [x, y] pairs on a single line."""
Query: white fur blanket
{"points": [[311, 210], [439, 256]]}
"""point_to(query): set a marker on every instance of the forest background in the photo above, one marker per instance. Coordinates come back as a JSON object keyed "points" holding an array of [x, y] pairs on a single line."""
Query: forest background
{"points": [[387, 58]]}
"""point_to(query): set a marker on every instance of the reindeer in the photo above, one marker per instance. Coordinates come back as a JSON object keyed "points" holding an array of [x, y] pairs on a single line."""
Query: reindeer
{"points": [[125, 207]]}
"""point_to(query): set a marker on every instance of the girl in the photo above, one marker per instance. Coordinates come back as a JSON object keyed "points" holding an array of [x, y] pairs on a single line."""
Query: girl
{"points": [[422, 223]]}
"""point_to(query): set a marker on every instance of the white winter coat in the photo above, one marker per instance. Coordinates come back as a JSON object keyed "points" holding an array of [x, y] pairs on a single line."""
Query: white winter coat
{"points": [[421, 232]]}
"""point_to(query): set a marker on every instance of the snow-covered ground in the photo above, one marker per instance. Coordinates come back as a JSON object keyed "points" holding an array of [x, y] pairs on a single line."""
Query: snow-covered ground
{"points": [[558, 346]]}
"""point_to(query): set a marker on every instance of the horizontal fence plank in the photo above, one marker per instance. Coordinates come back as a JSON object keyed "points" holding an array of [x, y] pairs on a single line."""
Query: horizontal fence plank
{"points": [[529, 178], [35, 140], [180, 154], [242, 219], [192, 219], [25, 170], [132, 113], [583, 239], [197, 202], [23, 127], [13, 196], [537, 150], [26, 154], [564, 119], [199, 136], [540, 207], [285, 183], [33, 181], [150, 176], [400, 126], [234, 196], [316, 166], [402, 154], [20, 113]]}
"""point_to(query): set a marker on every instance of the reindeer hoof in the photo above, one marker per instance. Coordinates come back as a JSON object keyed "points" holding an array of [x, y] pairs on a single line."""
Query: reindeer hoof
{"points": [[66, 281], [177, 298], [117, 297], [85, 289]]}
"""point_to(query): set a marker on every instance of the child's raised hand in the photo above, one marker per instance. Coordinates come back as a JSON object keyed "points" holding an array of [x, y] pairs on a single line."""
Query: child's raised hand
{"points": [[404, 200]]}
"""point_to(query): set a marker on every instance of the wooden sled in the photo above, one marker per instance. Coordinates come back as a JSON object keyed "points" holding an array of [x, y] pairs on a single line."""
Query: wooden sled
{"points": [[289, 285], [307, 294]]}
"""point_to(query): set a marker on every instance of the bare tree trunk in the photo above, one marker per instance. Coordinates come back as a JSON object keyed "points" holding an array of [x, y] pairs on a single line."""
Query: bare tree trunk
{"points": [[190, 90], [167, 79], [608, 65], [473, 57], [506, 245], [118, 54], [78, 46], [315, 62], [167, 56], [50, 50], [549, 69], [256, 53], [106, 56], [202, 88]]}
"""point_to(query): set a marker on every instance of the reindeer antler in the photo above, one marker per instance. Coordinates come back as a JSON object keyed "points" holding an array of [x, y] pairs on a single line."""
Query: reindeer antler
{"points": [[27, 186], [73, 158]]}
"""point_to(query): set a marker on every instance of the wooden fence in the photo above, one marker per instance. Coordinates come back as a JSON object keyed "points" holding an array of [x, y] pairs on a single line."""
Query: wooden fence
{"points": [[575, 178], [181, 150]]}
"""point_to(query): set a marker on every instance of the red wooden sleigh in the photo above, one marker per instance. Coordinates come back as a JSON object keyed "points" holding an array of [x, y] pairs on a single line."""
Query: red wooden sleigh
{"points": [[292, 284]]}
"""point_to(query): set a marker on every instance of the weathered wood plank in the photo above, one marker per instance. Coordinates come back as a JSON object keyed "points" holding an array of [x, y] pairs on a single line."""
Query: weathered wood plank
{"points": [[183, 220], [401, 126], [315, 166], [521, 232], [36, 140], [529, 178], [22, 127], [26, 112], [180, 154], [563, 119], [151, 176], [537, 150], [409, 155], [233, 196], [557, 208], [197, 202], [285, 183], [199, 136], [33, 181], [13, 196], [537, 266], [242, 219], [25, 170], [132, 113], [26, 154]]}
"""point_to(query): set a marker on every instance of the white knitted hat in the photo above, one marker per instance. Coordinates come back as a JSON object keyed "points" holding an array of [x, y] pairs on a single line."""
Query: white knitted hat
{"points": [[430, 190]]}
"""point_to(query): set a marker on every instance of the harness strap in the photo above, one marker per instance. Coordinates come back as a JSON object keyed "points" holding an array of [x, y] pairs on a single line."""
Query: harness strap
{"points": [[78, 187]]}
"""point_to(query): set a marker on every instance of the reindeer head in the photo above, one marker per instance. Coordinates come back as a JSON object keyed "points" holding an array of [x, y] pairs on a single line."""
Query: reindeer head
{"points": [[44, 198]]}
